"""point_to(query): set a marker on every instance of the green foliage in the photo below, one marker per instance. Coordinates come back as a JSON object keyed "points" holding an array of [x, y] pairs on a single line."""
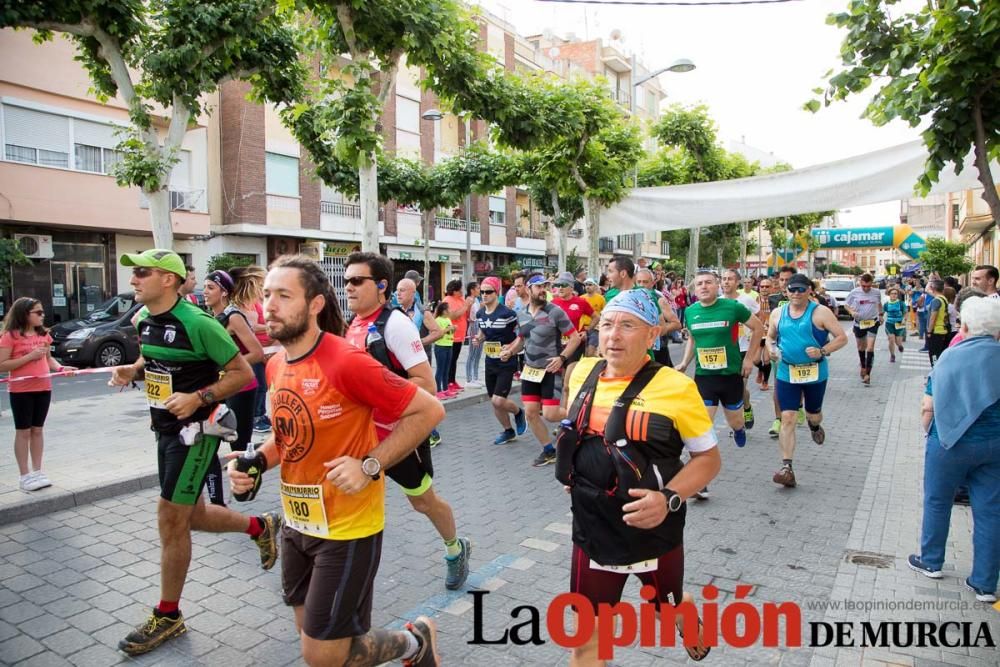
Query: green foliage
{"points": [[573, 262], [841, 270], [947, 258], [505, 271], [10, 256], [937, 67], [226, 261]]}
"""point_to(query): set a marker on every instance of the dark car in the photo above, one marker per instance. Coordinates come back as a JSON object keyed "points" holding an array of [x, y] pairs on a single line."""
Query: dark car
{"points": [[105, 337]]}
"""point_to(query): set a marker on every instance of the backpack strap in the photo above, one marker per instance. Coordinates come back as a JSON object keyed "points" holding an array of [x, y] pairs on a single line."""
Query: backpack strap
{"points": [[584, 398], [614, 428], [379, 350]]}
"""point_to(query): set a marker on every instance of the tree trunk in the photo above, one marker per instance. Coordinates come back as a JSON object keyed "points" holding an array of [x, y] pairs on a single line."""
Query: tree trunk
{"points": [[744, 233], [368, 198], [159, 215], [694, 238], [426, 220], [990, 195], [592, 212], [561, 246]]}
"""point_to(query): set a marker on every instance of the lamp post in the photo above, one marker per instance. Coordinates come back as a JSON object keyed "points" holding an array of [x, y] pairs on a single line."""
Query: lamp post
{"points": [[433, 115], [679, 66]]}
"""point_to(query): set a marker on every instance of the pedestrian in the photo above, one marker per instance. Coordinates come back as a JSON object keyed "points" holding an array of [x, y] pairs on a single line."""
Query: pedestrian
{"points": [[895, 310], [475, 354], [332, 486], [730, 290], [458, 311], [864, 303], [189, 364], [630, 519], [918, 301], [219, 287], [25, 347], [961, 415], [939, 332], [248, 296], [443, 349]]}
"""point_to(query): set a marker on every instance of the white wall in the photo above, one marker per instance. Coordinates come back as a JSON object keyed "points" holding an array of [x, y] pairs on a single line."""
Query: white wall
{"points": [[200, 251]]}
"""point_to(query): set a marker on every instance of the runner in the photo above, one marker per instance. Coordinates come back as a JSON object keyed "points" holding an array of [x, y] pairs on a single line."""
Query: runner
{"points": [[864, 303], [762, 360], [325, 394], [939, 331], [731, 290], [392, 339], [668, 321], [596, 300], [622, 524], [408, 299], [776, 300], [188, 286], [498, 328], [621, 275], [541, 327], [576, 308], [801, 331], [895, 329], [183, 350], [713, 324]]}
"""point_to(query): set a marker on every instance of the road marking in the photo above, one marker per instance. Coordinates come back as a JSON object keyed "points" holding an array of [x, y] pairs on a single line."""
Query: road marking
{"points": [[561, 528], [541, 545]]}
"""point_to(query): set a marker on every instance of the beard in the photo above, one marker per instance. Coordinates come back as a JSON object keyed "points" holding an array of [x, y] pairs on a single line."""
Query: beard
{"points": [[289, 331], [539, 301]]}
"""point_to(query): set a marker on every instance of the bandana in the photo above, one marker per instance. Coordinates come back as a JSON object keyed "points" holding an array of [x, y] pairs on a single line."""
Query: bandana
{"points": [[492, 282], [223, 280], [635, 302]]}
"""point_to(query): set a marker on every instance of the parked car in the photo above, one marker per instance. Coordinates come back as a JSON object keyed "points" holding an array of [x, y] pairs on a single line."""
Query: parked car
{"points": [[105, 337], [839, 287]]}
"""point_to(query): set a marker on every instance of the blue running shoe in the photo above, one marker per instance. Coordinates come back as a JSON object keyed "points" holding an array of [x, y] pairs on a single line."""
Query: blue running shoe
{"points": [[520, 422], [435, 439], [740, 437], [458, 567], [506, 436]]}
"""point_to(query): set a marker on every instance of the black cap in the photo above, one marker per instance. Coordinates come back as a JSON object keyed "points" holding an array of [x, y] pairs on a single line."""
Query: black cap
{"points": [[799, 280]]}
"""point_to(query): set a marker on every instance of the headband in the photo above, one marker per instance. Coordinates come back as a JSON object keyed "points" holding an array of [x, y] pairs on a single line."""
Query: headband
{"points": [[635, 302], [223, 280]]}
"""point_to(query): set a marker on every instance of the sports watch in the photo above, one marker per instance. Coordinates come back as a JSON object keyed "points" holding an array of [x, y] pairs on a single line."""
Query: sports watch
{"points": [[207, 396], [674, 501], [371, 467]]}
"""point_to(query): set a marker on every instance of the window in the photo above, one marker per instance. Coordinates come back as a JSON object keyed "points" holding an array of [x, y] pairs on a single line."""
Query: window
{"points": [[955, 224], [36, 137], [281, 173], [498, 211], [407, 114], [96, 159]]}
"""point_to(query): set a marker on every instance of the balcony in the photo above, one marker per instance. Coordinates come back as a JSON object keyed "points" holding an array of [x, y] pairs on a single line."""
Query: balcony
{"points": [[622, 97], [531, 233], [625, 242], [341, 209], [456, 224], [605, 245]]}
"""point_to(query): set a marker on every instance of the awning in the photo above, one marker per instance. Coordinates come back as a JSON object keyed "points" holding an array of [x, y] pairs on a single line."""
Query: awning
{"points": [[415, 253]]}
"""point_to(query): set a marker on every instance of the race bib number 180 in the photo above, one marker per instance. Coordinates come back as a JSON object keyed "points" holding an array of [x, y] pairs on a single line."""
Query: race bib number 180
{"points": [[304, 509], [712, 358]]}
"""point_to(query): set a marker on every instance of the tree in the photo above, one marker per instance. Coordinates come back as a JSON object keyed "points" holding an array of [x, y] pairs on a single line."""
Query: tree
{"points": [[227, 261], [947, 258], [936, 66], [10, 256], [167, 54]]}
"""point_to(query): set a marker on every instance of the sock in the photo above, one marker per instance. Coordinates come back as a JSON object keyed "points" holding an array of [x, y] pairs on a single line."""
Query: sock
{"points": [[767, 372], [870, 357], [168, 608], [786, 462], [452, 548], [549, 449], [813, 427], [255, 528], [412, 646], [861, 356]]}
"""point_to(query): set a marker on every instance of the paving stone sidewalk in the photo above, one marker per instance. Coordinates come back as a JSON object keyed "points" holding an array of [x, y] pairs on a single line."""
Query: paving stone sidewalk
{"points": [[73, 582]]}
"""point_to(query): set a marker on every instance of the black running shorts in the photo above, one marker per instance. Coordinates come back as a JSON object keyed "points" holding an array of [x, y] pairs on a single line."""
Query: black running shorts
{"points": [[332, 579], [415, 473], [499, 379], [726, 390], [183, 468]]}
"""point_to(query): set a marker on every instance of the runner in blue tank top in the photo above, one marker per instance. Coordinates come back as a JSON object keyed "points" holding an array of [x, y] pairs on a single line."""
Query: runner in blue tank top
{"points": [[804, 329]]}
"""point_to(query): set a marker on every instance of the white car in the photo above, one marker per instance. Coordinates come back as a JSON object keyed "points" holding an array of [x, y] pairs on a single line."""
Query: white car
{"points": [[839, 287]]}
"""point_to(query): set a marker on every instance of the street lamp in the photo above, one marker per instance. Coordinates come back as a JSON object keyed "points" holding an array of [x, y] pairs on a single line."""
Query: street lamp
{"points": [[679, 66]]}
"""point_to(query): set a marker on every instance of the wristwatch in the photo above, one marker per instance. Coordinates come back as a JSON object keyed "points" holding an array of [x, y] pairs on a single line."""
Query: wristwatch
{"points": [[674, 501], [371, 467], [563, 359], [824, 352], [207, 396]]}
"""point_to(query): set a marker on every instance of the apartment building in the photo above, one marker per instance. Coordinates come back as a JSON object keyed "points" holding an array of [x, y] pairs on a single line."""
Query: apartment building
{"points": [[969, 221]]}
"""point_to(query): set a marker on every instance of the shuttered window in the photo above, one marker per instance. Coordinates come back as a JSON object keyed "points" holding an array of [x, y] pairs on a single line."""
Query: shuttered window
{"points": [[281, 174]]}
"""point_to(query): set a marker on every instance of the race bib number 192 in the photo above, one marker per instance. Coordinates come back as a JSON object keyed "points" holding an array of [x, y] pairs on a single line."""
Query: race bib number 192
{"points": [[803, 373]]}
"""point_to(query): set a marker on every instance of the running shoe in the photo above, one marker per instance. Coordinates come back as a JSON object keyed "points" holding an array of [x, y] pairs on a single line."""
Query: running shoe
{"points": [[545, 457], [981, 595], [434, 439], [740, 437], [442, 396], [425, 631], [785, 477], [520, 422], [775, 428], [760, 376], [702, 495], [765, 387], [818, 436], [506, 436], [867, 380], [156, 630], [892, 358], [923, 568], [748, 417], [451, 393], [458, 567], [454, 386], [261, 424], [267, 541], [801, 419]]}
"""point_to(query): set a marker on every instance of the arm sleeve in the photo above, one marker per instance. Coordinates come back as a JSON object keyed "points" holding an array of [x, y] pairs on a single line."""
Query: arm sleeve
{"points": [[691, 418], [403, 340], [368, 382]]}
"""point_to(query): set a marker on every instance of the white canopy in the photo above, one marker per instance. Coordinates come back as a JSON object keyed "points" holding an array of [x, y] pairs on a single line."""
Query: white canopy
{"points": [[884, 175]]}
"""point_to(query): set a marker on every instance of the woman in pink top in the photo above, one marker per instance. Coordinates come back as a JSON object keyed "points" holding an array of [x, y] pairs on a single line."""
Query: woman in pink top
{"points": [[458, 311], [24, 353]]}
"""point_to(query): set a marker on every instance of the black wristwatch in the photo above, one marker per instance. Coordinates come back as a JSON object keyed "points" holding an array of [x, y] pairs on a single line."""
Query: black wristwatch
{"points": [[207, 396], [563, 359], [371, 467], [823, 351], [674, 501]]}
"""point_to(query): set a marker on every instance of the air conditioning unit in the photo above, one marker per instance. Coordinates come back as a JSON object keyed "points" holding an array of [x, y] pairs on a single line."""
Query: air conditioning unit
{"points": [[35, 246], [312, 249]]}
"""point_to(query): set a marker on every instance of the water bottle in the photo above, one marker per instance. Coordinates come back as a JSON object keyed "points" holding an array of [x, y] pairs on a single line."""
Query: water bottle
{"points": [[247, 462], [566, 443], [373, 335]]}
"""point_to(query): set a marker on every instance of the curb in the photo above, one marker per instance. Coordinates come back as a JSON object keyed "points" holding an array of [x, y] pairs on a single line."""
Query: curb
{"points": [[34, 506]]}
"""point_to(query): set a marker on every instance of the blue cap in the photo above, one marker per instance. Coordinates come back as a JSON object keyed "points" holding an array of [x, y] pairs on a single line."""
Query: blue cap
{"points": [[537, 280]]}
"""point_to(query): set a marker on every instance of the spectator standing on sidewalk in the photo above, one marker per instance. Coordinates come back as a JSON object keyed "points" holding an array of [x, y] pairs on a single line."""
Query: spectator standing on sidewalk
{"points": [[984, 278], [475, 350], [961, 415], [443, 347], [458, 312], [24, 353]]}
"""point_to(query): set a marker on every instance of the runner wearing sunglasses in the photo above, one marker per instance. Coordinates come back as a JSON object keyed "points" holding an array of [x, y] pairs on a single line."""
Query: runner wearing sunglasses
{"points": [[497, 328]]}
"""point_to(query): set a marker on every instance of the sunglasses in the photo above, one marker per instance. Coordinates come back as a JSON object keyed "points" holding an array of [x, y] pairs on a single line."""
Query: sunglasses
{"points": [[798, 289], [358, 281], [487, 291], [142, 271], [560, 284]]}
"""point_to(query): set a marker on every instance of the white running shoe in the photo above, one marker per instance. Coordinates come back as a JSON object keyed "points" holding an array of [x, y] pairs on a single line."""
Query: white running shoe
{"points": [[42, 479]]}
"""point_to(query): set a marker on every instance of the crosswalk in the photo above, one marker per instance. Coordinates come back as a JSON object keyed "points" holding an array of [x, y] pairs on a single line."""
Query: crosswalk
{"points": [[912, 359]]}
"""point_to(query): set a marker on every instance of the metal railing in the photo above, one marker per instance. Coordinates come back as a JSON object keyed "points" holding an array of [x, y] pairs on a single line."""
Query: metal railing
{"points": [[605, 245], [531, 233], [625, 242], [340, 208], [456, 224], [575, 233]]}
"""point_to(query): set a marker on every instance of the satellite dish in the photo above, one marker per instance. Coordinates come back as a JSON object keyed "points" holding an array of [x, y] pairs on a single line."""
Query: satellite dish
{"points": [[616, 34]]}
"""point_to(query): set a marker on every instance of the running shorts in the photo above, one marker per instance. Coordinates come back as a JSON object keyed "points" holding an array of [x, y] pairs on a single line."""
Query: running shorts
{"points": [[415, 473], [499, 380], [183, 468], [862, 333], [790, 396], [600, 586], [726, 390], [30, 408], [577, 355], [895, 328], [333, 579], [545, 392]]}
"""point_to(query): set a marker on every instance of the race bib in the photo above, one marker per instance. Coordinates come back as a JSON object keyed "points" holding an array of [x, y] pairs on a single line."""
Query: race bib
{"points": [[866, 324], [743, 331], [643, 566], [492, 349], [532, 374], [803, 373], [304, 509], [159, 387], [712, 358]]}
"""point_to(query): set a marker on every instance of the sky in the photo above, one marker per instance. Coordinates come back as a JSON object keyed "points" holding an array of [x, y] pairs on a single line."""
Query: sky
{"points": [[756, 65]]}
